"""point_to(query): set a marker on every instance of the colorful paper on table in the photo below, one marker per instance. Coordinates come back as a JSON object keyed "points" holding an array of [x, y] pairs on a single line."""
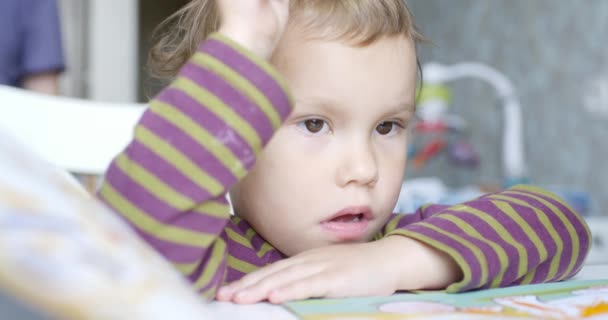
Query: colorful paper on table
{"points": [[563, 300]]}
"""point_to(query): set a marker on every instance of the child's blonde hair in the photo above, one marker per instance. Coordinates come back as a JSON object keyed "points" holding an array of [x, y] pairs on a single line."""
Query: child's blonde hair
{"points": [[360, 22]]}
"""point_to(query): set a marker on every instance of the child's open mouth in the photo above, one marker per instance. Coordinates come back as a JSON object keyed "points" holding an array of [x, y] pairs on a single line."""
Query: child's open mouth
{"points": [[348, 218], [349, 224]]}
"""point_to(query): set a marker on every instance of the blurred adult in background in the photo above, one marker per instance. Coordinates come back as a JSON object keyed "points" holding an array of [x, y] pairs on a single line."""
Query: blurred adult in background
{"points": [[31, 53]]}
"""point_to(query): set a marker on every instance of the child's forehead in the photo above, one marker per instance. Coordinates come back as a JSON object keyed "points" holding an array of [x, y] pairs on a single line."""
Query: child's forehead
{"points": [[333, 73], [301, 33], [297, 46], [390, 66]]}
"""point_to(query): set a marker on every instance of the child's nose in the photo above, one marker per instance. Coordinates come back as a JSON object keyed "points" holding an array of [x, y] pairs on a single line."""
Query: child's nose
{"points": [[358, 166]]}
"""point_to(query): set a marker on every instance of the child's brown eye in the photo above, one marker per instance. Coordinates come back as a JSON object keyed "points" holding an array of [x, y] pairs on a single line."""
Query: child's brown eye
{"points": [[385, 128], [314, 125]]}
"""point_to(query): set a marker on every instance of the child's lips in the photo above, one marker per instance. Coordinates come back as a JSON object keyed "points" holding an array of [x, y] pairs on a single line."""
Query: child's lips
{"points": [[349, 224], [364, 212]]}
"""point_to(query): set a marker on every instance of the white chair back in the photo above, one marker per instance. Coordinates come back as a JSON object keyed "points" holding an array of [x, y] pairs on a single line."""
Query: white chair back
{"points": [[77, 135]]}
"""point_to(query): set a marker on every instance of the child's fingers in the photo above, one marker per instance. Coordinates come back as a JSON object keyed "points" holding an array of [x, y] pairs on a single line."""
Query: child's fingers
{"points": [[314, 286], [227, 292], [261, 290]]}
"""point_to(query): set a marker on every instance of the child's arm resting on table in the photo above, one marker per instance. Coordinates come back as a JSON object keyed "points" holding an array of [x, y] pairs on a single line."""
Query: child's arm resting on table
{"points": [[197, 139], [520, 236]]}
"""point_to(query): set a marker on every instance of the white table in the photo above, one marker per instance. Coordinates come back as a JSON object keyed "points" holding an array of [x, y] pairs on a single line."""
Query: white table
{"points": [[263, 311], [593, 271], [260, 311]]}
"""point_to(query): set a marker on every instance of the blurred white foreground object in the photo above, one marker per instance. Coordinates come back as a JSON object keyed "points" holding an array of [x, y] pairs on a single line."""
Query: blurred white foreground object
{"points": [[65, 254]]}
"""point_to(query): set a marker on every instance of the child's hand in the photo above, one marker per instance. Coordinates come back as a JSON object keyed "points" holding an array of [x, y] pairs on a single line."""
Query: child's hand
{"points": [[255, 24], [334, 271], [367, 269]]}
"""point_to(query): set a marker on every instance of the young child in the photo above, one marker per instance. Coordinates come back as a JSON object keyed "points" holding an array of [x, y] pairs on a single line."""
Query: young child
{"points": [[313, 216]]}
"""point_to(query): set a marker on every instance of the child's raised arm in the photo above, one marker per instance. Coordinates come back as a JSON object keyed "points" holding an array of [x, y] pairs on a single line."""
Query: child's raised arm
{"points": [[200, 136], [520, 236]]}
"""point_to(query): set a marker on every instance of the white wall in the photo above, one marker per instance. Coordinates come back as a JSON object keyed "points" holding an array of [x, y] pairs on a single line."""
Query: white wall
{"points": [[100, 40], [73, 15], [112, 51]]}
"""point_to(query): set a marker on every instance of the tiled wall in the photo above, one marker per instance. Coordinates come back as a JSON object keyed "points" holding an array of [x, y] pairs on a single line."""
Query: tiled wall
{"points": [[556, 53]]}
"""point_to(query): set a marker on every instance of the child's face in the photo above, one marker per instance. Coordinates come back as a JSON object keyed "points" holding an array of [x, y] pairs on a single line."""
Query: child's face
{"points": [[333, 171]]}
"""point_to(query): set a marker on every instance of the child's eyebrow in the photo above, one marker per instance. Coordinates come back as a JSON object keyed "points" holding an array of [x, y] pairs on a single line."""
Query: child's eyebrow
{"points": [[407, 108], [318, 104], [400, 106]]}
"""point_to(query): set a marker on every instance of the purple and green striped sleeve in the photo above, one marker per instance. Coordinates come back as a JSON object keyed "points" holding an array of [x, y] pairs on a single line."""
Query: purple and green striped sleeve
{"points": [[198, 137], [522, 235]]}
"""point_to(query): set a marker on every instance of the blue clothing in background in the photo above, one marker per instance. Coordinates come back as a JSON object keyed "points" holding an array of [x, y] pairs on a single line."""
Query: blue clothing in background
{"points": [[30, 39]]}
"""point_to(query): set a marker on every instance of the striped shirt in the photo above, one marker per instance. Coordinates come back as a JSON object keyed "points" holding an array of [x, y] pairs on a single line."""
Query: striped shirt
{"points": [[201, 135]]}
